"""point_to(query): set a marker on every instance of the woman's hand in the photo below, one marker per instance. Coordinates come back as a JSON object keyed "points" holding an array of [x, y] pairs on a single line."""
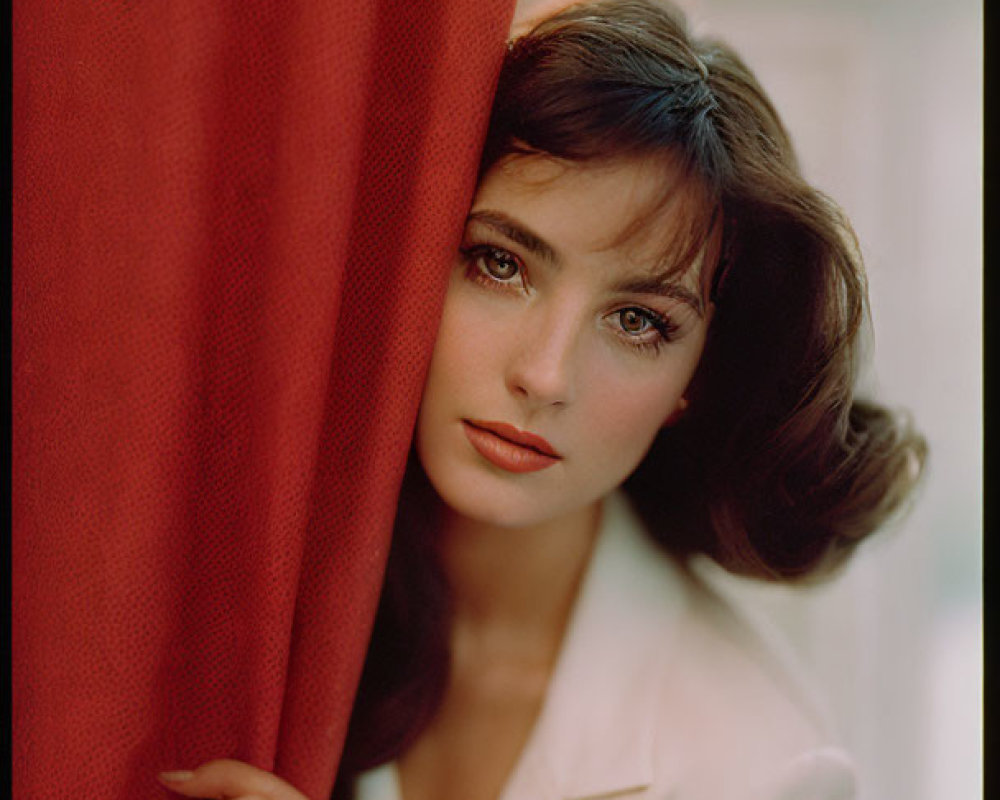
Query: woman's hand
{"points": [[226, 779], [528, 13]]}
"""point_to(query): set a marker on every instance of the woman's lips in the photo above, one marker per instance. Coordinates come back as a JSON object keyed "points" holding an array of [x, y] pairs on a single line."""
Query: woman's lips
{"points": [[509, 448]]}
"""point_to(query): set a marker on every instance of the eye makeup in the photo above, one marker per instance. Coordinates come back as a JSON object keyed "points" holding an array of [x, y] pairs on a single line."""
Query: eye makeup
{"points": [[496, 268], [657, 329]]}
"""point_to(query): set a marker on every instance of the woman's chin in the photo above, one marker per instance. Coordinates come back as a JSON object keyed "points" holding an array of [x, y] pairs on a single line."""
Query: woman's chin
{"points": [[516, 508], [487, 510]]}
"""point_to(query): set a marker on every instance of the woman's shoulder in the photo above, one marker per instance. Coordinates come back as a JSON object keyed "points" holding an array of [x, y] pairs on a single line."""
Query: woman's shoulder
{"points": [[736, 715], [739, 717]]}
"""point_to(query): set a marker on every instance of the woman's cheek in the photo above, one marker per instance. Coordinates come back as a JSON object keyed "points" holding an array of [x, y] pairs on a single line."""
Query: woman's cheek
{"points": [[474, 340], [626, 414]]}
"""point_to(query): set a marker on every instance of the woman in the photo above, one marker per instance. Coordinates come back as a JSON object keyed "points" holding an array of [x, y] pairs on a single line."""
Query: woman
{"points": [[649, 334]]}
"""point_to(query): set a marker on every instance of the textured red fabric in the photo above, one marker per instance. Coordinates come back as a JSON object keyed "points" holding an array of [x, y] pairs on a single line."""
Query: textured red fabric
{"points": [[233, 224]]}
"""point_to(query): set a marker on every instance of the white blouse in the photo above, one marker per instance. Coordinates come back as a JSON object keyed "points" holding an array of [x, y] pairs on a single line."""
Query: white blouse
{"points": [[661, 690]]}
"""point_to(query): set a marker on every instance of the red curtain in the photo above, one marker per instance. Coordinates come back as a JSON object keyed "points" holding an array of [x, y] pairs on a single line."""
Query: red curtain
{"points": [[233, 224]]}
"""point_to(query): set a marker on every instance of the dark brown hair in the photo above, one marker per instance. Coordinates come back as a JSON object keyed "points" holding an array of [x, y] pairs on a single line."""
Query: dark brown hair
{"points": [[777, 470]]}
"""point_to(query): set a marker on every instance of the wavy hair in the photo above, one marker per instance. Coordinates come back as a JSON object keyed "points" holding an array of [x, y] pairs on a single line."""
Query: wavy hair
{"points": [[777, 470]]}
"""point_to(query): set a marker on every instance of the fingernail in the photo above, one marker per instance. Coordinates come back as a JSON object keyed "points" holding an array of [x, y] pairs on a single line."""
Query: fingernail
{"points": [[178, 776]]}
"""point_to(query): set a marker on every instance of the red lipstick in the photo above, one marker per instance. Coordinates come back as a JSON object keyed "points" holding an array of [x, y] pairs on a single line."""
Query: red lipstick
{"points": [[509, 448]]}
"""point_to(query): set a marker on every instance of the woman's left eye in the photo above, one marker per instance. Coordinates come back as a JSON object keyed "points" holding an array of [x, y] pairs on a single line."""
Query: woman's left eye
{"points": [[634, 321], [642, 328]]}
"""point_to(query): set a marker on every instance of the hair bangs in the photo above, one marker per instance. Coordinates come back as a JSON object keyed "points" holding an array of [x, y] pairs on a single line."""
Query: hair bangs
{"points": [[682, 222]]}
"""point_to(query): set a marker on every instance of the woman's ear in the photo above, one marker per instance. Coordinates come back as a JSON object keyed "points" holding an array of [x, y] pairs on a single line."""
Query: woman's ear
{"points": [[674, 417]]}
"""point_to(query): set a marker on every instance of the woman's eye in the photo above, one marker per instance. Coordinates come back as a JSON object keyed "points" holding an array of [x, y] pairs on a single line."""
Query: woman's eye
{"points": [[633, 321], [499, 264], [494, 267], [643, 329]]}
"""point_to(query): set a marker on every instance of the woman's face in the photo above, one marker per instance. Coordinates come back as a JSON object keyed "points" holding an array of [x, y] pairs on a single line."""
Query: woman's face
{"points": [[561, 351]]}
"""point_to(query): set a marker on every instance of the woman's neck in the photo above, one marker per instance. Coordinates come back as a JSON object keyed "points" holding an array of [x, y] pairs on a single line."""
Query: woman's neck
{"points": [[513, 589]]}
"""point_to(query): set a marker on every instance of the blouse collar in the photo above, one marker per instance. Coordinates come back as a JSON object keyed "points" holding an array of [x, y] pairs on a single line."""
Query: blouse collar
{"points": [[595, 733]]}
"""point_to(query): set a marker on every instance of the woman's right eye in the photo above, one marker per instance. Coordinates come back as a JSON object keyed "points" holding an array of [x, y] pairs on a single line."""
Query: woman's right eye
{"points": [[495, 265]]}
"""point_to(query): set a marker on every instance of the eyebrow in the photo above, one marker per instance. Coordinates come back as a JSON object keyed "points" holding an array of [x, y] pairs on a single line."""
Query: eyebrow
{"points": [[659, 284], [517, 233], [662, 285]]}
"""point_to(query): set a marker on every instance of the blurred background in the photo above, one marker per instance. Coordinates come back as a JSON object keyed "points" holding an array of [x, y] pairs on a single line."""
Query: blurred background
{"points": [[883, 99]]}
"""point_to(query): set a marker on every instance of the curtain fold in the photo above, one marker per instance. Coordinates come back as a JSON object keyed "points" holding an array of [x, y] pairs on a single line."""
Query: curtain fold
{"points": [[233, 225]]}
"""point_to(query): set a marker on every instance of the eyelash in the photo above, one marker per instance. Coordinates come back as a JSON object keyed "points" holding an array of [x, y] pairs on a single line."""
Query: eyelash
{"points": [[477, 273], [665, 328]]}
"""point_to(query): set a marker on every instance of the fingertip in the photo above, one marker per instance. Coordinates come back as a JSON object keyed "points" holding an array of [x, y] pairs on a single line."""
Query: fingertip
{"points": [[222, 777], [174, 777], [180, 781]]}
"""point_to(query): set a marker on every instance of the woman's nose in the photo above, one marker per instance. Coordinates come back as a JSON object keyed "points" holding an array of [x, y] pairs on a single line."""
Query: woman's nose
{"points": [[541, 366]]}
